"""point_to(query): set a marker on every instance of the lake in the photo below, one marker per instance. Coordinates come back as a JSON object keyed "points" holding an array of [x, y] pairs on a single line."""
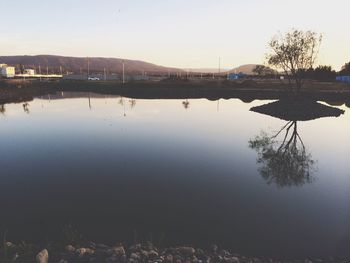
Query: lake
{"points": [[175, 172]]}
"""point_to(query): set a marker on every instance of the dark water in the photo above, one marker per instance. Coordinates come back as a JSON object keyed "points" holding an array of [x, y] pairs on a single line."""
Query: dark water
{"points": [[153, 169]]}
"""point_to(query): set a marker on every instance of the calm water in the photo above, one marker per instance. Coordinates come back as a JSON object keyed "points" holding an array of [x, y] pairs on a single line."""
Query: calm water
{"points": [[173, 171]]}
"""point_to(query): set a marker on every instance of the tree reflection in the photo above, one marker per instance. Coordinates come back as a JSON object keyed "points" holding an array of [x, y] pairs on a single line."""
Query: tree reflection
{"points": [[285, 163]]}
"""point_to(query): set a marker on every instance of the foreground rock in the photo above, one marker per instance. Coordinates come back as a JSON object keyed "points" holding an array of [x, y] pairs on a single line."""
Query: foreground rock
{"points": [[145, 253], [42, 256]]}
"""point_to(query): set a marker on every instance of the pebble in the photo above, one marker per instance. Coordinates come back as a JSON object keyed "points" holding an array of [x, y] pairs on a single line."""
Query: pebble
{"points": [[70, 249], [42, 256]]}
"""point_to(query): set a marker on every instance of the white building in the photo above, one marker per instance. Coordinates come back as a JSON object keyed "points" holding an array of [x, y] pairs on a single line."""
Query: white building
{"points": [[7, 71], [30, 72]]}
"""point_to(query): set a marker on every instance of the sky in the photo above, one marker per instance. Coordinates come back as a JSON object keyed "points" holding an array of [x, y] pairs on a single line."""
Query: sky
{"points": [[175, 33]]}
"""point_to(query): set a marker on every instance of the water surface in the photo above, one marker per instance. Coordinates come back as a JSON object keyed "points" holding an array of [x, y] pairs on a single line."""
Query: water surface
{"points": [[173, 171]]}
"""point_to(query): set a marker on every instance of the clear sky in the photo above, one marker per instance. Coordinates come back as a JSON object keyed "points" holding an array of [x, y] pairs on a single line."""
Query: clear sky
{"points": [[179, 33]]}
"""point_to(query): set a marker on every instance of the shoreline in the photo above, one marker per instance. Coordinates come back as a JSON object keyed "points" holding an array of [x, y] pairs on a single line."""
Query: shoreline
{"points": [[247, 91]]}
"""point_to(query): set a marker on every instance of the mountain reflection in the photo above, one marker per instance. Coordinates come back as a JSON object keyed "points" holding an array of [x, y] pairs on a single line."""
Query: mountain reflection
{"points": [[286, 162]]}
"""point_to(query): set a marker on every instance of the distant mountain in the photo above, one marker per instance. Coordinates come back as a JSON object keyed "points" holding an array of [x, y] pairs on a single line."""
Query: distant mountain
{"points": [[77, 64], [206, 70], [246, 69]]}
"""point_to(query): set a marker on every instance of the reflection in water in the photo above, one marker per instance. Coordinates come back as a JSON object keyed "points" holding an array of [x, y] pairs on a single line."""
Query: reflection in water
{"points": [[132, 103], [287, 163], [186, 104], [284, 164], [122, 175], [297, 110], [26, 107], [2, 109]]}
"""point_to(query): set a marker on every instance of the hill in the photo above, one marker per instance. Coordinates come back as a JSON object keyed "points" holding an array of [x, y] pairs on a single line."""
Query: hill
{"points": [[246, 69], [78, 64], [206, 70]]}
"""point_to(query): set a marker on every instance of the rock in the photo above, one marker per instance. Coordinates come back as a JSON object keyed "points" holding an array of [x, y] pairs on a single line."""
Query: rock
{"points": [[9, 244], [134, 256], [89, 251], [118, 251], [224, 253], [92, 245], [135, 248], [169, 259], [149, 246], [217, 258], [70, 249], [214, 248], [42, 256], [186, 251], [153, 254], [81, 252], [85, 251]]}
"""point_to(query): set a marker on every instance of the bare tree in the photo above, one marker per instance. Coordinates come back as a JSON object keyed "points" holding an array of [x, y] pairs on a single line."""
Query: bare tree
{"points": [[262, 70], [294, 52]]}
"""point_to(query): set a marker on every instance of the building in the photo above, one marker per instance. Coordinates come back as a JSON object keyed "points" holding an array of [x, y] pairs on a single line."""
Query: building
{"points": [[30, 72], [232, 76], [344, 79], [7, 71]]}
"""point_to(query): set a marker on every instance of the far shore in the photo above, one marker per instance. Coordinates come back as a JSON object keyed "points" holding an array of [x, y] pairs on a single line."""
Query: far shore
{"points": [[12, 91]]}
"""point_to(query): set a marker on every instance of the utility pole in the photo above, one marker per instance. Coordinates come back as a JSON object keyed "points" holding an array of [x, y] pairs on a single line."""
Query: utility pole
{"points": [[61, 70], [104, 73], [47, 70], [123, 72], [40, 71], [88, 67]]}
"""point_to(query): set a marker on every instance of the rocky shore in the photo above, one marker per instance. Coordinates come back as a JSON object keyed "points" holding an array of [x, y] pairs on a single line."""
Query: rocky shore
{"points": [[138, 253]]}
